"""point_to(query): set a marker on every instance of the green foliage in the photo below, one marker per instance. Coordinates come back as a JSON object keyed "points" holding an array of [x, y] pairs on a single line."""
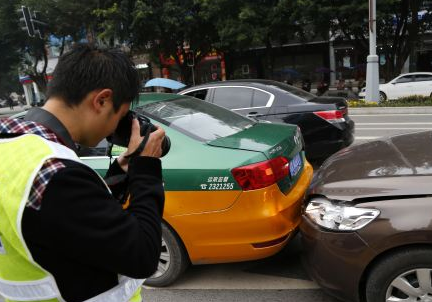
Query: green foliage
{"points": [[410, 101], [9, 82], [224, 25], [398, 26], [361, 103], [160, 27], [243, 23], [11, 42], [414, 100], [65, 17], [114, 20]]}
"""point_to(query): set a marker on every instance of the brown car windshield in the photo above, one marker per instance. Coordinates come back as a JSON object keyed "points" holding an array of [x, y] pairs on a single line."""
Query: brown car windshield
{"points": [[196, 118]]}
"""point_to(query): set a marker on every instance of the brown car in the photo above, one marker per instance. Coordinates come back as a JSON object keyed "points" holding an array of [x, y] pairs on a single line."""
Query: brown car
{"points": [[367, 224]]}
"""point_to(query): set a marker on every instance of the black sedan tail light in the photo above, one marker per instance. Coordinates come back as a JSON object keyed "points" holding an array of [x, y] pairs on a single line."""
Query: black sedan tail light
{"points": [[332, 116]]}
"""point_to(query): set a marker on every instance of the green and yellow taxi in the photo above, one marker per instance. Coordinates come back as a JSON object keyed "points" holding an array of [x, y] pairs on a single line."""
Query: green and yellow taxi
{"points": [[234, 186]]}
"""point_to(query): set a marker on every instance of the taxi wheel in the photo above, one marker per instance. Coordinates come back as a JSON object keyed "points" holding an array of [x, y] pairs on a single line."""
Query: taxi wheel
{"points": [[173, 260], [403, 276]]}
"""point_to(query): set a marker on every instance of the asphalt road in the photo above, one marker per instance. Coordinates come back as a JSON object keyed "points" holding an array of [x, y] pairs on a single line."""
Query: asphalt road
{"points": [[278, 278], [281, 277], [372, 126]]}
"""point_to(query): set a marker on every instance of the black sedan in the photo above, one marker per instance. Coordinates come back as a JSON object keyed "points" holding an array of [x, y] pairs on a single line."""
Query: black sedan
{"points": [[324, 121]]}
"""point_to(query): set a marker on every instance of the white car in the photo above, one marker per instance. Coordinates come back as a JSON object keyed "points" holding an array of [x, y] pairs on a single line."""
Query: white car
{"points": [[415, 83]]}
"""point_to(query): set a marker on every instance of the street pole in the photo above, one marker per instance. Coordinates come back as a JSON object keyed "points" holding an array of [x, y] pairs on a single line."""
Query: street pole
{"points": [[372, 71], [332, 60]]}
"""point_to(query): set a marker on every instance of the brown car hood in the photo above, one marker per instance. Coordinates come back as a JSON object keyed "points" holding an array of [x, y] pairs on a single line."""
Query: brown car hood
{"points": [[396, 166]]}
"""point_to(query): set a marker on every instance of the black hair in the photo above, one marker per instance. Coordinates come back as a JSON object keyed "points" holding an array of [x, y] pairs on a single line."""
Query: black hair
{"points": [[86, 68]]}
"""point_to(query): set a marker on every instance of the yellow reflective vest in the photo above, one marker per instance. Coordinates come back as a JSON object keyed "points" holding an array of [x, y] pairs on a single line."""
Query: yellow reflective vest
{"points": [[21, 278]]}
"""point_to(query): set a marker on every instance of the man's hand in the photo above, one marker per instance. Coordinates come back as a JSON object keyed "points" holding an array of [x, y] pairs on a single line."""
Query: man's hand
{"points": [[153, 147]]}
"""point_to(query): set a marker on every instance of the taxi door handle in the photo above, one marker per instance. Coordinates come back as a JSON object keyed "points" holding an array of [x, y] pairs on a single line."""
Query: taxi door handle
{"points": [[254, 114]]}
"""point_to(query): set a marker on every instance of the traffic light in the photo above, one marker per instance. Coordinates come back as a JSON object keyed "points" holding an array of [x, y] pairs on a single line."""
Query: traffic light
{"points": [[31, 22], [38, 25], [190, 58], [26, 21]]}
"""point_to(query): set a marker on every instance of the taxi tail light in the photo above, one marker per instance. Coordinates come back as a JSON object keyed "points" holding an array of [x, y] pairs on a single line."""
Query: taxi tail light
{"points": [[262, 174], [332, 116]]}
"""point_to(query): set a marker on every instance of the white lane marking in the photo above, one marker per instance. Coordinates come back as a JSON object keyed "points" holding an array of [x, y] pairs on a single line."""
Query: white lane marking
{"points": [[398, 123], [366, 137], [411, 128]]}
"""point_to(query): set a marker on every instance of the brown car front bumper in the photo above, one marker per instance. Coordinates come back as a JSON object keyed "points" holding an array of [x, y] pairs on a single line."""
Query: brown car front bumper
{"points": [[335, 260]]}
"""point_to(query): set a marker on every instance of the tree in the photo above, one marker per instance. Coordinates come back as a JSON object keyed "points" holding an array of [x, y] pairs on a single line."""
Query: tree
{"points": [[64, 19], [244, 24], [399, 26], [11, 41], [160, 28], [19, 51], [115, 21]]}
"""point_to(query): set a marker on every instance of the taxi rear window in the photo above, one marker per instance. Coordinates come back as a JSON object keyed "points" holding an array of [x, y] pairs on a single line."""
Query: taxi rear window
{"points": [[196, 118]]}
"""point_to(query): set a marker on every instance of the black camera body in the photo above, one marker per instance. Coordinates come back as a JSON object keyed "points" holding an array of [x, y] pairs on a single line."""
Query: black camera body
{"points": [[122, 133]]}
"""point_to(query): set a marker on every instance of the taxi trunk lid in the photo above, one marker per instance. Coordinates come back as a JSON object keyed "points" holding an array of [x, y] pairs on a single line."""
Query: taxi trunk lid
{"points": [[274, 141]]}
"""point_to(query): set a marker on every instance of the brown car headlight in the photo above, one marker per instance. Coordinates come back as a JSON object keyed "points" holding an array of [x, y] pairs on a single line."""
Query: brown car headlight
{"points": [[339, 217]]}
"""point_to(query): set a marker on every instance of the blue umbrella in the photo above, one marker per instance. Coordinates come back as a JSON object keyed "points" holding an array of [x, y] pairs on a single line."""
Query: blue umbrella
{"points": [[162, 82]]}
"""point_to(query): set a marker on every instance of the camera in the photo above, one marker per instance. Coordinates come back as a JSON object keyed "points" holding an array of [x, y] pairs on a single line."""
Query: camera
{"points": [[122, 133]]}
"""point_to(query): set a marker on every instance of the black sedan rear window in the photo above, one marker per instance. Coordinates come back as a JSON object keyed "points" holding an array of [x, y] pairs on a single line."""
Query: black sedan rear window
{"points": [[293, 90], [198, 119]]}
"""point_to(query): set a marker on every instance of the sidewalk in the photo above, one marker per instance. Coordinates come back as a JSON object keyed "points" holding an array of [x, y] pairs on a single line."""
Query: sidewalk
{"points": [[390, 110]]}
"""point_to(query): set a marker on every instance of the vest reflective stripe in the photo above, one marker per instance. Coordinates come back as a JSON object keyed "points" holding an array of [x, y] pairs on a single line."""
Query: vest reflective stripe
{"points": [[46, 289], [122, 292], [29, 291], [41, 286]]}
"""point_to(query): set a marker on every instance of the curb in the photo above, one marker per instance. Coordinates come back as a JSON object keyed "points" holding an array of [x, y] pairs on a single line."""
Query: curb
{"points": [[390, 110]]}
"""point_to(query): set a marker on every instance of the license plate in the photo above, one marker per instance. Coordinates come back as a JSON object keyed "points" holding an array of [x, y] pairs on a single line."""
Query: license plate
{"points": [[295, 165]]}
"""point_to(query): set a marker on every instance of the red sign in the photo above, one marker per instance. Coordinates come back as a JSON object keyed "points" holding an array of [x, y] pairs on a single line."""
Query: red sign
{"points": [[169, 61]]}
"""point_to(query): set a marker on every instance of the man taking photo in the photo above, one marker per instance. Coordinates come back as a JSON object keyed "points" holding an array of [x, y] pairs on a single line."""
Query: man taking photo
{"points": [[63, 235]]}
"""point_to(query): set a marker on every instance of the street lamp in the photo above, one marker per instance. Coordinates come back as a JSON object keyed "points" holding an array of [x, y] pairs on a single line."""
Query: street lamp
{"points": [[372, 71]]}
